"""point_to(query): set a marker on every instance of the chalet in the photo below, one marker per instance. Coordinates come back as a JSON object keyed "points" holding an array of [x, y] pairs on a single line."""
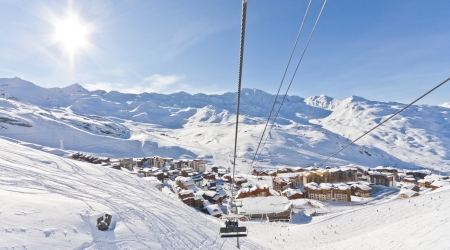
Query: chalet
{"points": [[272, 173], [186, 171], [257, 172], [184, 182], [209, 176], [214, 169], [116, 165], [410, 186], [384, 179], [408, 179], [226, 178], [293, 194], [328, 192], [144, 172], [126, 163], [408, 193], [298, 169], [440, 183], [209, 185], [89, 158], [253, 190], [361, 190], [213, 209], [185, 194], [425, 183], [239, 180], [214, 197], [273, 208], [279, 184], [295, 178]]}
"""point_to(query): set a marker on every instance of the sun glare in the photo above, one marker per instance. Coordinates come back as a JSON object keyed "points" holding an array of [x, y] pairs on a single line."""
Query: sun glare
{"points": [[71, 34]]}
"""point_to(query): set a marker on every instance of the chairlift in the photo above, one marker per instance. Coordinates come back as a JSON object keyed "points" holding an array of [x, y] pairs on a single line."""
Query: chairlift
{"points": [[232, 230]]}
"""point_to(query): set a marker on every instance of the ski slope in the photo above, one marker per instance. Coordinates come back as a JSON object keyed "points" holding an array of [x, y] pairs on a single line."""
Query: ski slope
{"points": [[418, 223], [49, 202]]}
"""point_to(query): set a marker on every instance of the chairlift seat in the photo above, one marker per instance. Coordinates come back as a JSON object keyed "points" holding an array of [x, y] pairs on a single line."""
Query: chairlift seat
{"points": [[233, 230], [232, 235]]}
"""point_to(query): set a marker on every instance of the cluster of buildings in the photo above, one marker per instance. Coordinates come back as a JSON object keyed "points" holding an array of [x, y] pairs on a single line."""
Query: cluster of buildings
{"points": [[90, 158], [208, 197], [203, 190], [339, 184]]}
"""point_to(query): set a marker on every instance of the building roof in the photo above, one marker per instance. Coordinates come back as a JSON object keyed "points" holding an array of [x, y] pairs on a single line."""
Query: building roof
{"points": [[408, 192], [185, 180], [261, 205], [183, 192], [214, 210], [362, 187], [290, 192]]}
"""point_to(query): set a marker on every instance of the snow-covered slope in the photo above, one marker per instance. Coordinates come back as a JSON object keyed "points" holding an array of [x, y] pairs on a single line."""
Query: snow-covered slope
{"points": [[182, 125], [417, 223], [48, 202]]}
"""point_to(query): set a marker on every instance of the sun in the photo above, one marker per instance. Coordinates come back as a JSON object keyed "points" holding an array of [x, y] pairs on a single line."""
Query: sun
{"points": [[71, 34]]}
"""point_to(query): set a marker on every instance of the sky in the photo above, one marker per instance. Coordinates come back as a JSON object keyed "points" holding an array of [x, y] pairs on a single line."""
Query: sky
{"points": [[379, 50]]}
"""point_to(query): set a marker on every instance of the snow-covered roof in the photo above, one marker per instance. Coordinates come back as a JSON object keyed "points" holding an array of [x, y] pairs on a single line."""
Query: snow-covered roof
{"points": [[363, 187], [440, 183], [185, 180], [291, 191], [260, 205], [210, 193], [183, 192], [408, 192], [214, 210]]}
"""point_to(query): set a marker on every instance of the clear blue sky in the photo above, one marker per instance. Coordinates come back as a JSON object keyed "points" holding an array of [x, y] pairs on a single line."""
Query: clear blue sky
{"points": [[380, 50]]}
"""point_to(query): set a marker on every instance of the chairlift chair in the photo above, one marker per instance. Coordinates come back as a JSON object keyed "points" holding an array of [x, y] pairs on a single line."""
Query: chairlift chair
{"points": [[232, 229]]}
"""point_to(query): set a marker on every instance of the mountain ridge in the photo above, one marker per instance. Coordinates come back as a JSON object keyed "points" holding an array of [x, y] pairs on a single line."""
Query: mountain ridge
{"points": [[307, 130]]}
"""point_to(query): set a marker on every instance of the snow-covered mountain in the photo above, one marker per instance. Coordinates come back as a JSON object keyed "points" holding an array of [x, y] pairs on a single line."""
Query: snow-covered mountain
{"points": [[182, 125]]}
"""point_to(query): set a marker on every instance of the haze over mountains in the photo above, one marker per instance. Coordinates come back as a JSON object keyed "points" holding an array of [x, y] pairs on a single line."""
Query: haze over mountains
{"points": [[182, 125]]}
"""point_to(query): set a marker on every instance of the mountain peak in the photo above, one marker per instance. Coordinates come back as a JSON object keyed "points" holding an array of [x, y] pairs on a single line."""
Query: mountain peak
{"points": [[322, 101], [75, 88], [355, 98]]}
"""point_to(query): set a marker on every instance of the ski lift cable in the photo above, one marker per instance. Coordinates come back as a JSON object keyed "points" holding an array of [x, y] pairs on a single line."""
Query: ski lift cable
{"points": [[241, 59], [296, 69], [282, 79], [390, 117]]}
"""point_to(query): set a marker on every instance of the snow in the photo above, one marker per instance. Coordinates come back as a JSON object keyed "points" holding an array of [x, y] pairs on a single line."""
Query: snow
{"points": [[51, 202], [187, 126], [262, 205], [291, 191], [48, 202]]}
